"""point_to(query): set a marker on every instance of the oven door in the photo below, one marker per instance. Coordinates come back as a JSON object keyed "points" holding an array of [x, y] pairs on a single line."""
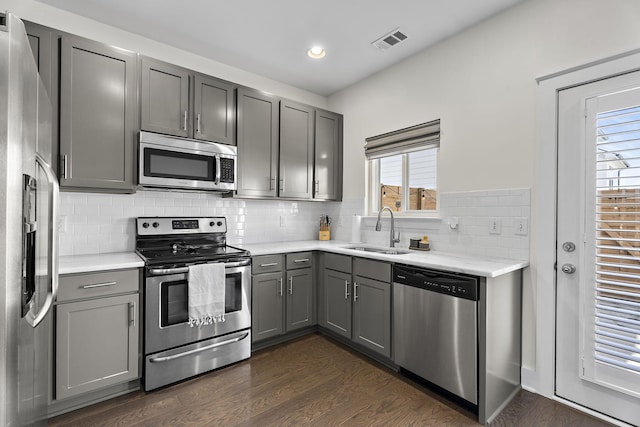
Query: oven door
{"points": [[166, 307]]}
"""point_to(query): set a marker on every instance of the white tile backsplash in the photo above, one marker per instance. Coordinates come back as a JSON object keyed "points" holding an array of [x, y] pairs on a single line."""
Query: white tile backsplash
{"points": [[98, 223]]}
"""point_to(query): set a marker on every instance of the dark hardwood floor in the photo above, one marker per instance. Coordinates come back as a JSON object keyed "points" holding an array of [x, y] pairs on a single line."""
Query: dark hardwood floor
{"points": [[312, 381]]}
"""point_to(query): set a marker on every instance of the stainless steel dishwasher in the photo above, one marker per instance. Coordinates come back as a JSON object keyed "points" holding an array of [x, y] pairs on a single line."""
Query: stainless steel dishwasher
{"points": [[435, 318]]}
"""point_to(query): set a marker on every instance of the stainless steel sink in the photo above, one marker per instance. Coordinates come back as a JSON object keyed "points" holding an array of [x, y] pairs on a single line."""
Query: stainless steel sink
{"points": [[386, 251]]}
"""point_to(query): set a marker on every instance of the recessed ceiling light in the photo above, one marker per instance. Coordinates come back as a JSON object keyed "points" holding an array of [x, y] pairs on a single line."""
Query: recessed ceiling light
{"points": [[316, 52]]}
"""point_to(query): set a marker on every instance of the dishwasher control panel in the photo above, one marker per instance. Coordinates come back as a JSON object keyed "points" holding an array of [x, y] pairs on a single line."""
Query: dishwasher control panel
{"points": [[454, 284]]}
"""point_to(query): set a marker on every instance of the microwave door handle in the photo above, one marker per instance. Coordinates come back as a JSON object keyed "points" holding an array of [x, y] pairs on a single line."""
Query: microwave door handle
{"points": [[52, 243], [217, 169]]}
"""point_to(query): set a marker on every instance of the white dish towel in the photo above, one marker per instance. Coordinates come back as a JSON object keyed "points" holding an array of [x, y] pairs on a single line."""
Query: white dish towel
{"points": [[206, 294]]}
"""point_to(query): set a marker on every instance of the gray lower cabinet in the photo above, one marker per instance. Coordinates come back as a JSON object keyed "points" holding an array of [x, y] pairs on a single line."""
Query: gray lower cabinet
{"points": [[257, 137], [295, 179], [282, 299], [356, 301], [267, 306], [327, 168], [98, 116], [180, 102], [96, 332]]}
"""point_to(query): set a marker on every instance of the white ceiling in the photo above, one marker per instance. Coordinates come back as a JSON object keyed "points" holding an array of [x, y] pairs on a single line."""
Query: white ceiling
{"points": [[270, 37]]}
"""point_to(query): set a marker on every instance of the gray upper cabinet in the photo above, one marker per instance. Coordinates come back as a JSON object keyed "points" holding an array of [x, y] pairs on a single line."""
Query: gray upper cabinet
{"points": [[214, 110], [180, 102], [328, 156], [258, 129], [296, 151], [164, 98], [98, 116]]}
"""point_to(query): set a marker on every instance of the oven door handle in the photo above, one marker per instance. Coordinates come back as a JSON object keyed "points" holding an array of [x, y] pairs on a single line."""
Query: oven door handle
{"points": [[197, 350], [166, 271], [182, 270]]}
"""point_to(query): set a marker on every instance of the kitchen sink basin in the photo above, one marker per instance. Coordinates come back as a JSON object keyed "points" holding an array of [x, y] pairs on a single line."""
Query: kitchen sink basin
{"points": [[386, 251]]}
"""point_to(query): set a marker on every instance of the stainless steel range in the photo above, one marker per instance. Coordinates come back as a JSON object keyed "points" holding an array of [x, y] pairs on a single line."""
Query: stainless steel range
{"points": [[173, 349]]}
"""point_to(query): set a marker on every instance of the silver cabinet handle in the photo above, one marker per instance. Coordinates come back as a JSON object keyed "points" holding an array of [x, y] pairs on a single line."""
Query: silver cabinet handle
{"points": [[282, 184], [346, 289], [291, 285], [355, 292], [198, 123], [272, 187], [99, 285], [401, 277], [65, 162], [317, 186], [132, 314], [197, 350], [281, 286], [301, 260], [268, 264], [185, 120]]}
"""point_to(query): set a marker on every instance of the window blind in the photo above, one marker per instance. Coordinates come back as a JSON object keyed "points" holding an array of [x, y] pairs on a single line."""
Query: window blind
{"points": [[414, 138], [617, 281]]}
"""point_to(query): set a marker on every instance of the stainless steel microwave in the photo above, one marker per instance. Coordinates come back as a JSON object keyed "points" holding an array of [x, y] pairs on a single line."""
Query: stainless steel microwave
{"points": [[172, 162]]}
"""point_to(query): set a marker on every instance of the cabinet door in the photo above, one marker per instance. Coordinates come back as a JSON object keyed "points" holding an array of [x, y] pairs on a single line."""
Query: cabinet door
{"points": [[267, 309], [164, 98], [372, 315], [296, 151], [337, 302], [328, 156], [299, 298], [258, 118], [214, 110], [96, 344], [98, 121]]}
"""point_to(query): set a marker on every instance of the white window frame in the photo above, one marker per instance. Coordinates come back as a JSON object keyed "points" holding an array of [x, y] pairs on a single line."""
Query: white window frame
{"points": [[402, 142]]}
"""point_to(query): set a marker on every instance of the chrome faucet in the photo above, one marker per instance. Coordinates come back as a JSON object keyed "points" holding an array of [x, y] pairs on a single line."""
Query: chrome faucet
{"points": [[392, 237]]}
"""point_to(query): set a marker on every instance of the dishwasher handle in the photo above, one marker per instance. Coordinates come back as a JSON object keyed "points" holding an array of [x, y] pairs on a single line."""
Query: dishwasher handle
{"points": [[449, 283]]}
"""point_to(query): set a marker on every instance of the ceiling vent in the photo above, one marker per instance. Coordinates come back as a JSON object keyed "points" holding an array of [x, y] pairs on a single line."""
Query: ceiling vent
{"points": [[389, 40]]}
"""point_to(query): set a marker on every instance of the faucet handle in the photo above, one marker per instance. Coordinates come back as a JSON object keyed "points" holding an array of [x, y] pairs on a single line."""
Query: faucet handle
{"points": [[397, 239]]}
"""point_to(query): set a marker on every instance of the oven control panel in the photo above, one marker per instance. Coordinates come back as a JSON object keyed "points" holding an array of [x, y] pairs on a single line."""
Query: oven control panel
{"points": [[150, 226]]}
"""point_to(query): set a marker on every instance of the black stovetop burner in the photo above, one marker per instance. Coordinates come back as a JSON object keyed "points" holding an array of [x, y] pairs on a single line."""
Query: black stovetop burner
{"points": [[181, 241]]}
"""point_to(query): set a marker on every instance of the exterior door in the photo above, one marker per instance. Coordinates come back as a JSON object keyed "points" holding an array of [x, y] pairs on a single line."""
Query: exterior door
{"points": [[598, 253]]}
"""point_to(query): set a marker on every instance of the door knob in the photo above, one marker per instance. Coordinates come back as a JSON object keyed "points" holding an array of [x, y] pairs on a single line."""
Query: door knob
{"points": [[568, 268]]}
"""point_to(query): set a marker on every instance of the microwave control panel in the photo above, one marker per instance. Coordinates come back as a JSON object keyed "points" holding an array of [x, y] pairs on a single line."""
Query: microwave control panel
{"points": [[226, 170]]}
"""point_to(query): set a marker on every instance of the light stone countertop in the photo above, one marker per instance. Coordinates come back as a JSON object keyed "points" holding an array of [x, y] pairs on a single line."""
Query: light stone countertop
{"points": [[98, 262], [468, 264]]}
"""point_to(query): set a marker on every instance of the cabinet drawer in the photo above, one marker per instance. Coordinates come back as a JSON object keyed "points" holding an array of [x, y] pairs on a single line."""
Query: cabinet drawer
{"points": [[267, 264], [338, 262], [299, 260], [79, 286], [373, 269]]}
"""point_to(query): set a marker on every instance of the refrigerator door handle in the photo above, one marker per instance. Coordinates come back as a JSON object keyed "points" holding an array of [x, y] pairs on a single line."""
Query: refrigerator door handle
{"points": [[52, 253]]}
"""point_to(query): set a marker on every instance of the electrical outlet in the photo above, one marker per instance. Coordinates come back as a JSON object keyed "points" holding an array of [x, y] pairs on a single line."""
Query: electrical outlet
{"points": [[495, 227], [522, 226]]}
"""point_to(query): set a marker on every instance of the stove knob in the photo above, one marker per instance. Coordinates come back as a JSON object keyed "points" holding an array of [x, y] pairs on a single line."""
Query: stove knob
{"points": [[211, 224], [156, 225], [145, 225], [219, 223]]}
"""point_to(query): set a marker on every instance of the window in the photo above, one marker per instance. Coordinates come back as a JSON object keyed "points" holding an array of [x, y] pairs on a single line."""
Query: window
{"points": [[402, 169]]}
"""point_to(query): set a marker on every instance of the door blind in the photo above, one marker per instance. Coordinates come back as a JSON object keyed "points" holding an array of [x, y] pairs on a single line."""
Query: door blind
{"points": [[617, 244]]}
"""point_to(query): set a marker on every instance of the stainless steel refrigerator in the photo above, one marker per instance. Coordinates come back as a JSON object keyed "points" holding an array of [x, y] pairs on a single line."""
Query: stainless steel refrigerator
{"points": [[28, 218]]}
